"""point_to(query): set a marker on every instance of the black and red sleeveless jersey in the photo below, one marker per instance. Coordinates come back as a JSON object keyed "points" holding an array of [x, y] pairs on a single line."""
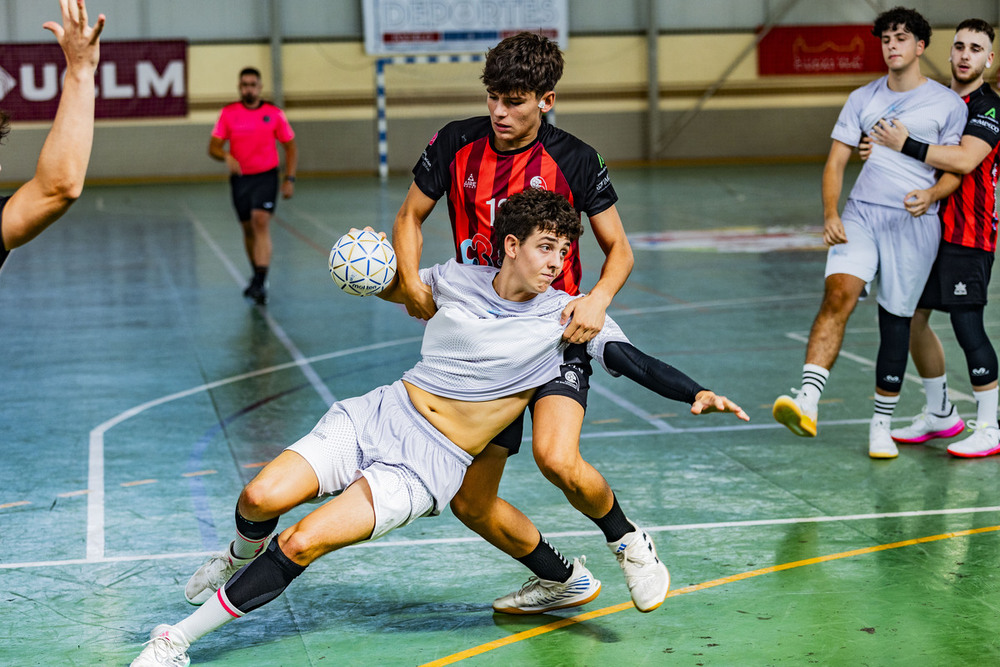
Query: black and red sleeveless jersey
{"points": [[969, 217], [3, 251], [460, 160]]}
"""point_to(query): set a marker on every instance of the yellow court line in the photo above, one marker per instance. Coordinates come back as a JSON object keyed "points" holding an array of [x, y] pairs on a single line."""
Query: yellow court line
{"points": [[542, 629]]}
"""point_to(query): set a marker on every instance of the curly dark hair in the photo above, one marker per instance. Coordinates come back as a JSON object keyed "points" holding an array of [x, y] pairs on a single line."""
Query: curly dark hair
{"points": [[532, 211], [523, 63], [4, 125], [977, 25], [909, 20]]}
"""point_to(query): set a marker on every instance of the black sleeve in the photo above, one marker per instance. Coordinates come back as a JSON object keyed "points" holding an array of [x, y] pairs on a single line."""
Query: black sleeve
{"points": [[650, 372], [982, 122]]}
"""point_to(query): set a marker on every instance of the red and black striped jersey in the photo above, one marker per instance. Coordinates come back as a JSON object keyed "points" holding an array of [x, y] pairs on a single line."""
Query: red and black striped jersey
{"points": [[969, 216], [460, 161]]}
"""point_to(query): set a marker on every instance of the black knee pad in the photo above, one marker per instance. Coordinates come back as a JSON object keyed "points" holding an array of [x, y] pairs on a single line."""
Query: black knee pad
{"points": [[894, 346], [980, 356], [254, 530], [262, 580]]}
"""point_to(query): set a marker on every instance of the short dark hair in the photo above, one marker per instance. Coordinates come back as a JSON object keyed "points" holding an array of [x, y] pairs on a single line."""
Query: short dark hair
{"points": [[977, 25], [251, 70], [532, 211], [523, 63], [4, 125], [909, 20]]}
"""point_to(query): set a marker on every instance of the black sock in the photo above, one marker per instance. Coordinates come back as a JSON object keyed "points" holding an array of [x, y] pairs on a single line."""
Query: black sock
{"points": [[547, 563], [614, 525], [259, 275]]}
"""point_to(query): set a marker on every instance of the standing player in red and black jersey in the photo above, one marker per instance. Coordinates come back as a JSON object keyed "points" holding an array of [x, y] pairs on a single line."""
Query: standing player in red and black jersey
{"points": [[960, 278], [477, 163]]}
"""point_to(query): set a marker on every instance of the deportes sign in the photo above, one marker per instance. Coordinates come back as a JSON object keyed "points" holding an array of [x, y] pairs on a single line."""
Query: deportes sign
{"points": [[134, 80], [458, 26]]}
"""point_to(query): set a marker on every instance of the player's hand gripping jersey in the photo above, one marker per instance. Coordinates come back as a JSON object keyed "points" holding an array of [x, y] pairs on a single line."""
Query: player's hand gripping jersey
{"points": [[931, 112], [479, 346], [461, 162]]}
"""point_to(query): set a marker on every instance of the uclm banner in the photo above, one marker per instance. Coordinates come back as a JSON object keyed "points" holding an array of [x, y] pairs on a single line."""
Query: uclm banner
{"points": [[134, 80], [819, 49]]}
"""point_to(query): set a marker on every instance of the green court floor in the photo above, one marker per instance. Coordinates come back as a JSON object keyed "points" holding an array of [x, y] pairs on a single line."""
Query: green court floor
{"points": [[139, 392]]}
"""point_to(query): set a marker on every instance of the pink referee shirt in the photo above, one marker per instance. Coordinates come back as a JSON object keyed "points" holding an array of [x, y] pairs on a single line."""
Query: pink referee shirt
{"points": [[251, 134]]}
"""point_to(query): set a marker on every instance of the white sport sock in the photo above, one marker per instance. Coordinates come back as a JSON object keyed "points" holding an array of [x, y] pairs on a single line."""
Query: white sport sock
{"points": [[813, 382], [884, 407], [936, 389], [210, 616], [246, 548], [986, 406]]}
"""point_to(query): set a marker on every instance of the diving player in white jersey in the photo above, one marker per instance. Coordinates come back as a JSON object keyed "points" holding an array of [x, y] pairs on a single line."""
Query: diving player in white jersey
{"points": [[888, 228], [400, 452]]}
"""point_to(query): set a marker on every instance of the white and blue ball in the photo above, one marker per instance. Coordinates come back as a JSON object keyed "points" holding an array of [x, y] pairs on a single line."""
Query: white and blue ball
{"points": [[362, 263]]}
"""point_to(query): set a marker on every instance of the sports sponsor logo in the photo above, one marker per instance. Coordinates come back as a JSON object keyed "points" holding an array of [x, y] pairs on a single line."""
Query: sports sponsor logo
{"points": [[572, 379], [470, 182], [961, 289], [891, 378], [604, 182], [433, 139], [979, 372]]}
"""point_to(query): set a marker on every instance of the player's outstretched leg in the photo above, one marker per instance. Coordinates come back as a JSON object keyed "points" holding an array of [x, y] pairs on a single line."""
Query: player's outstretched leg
{"points": [[646, 576], [541, 595]]}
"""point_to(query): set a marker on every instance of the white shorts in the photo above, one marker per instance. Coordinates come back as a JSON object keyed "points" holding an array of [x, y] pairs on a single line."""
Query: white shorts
{"points": [[412, 469], [889, 243]]}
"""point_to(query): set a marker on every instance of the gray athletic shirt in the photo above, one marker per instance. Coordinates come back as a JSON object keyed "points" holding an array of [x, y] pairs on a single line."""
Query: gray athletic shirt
{"points": [[479, 346], [931, 112]]}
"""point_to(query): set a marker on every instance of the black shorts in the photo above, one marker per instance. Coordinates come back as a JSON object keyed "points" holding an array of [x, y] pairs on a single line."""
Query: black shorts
{"points": [[960, 277], [573, 382], [256, 191]]}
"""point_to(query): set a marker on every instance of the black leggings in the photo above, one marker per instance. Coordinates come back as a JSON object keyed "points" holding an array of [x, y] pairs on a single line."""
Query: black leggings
{"points": [[980, 357]]}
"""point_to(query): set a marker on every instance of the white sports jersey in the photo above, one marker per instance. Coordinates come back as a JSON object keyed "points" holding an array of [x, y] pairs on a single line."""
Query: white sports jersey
{"points": [[479, 346], [931, 112]]}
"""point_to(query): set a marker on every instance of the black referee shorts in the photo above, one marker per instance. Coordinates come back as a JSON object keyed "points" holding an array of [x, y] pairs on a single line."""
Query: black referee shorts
{"points": [[256, 191]]}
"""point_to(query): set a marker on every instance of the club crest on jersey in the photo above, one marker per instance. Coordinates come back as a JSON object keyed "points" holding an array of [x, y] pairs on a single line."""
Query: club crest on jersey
{"points": [[470, 182], [961, 289], [538, 183]]}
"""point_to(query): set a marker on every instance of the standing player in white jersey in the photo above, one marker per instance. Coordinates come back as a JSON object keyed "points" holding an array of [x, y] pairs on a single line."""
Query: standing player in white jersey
{"points": [[889, 226], [960, 279], [400, 452]]}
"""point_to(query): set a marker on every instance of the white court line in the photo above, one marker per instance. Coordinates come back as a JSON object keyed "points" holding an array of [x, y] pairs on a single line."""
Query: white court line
{"points": [[397, 544]]}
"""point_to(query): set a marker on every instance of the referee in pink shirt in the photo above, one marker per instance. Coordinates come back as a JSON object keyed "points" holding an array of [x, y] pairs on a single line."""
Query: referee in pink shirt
{"points": [[251, 126]]}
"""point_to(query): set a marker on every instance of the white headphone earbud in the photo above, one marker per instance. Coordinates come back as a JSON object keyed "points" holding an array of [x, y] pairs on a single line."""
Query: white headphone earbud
{"points": [[541, 104]]}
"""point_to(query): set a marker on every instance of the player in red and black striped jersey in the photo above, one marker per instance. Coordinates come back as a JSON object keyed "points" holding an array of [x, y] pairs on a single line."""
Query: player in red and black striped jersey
{"points": [[477, 164], [960, 278], [62, 163]]}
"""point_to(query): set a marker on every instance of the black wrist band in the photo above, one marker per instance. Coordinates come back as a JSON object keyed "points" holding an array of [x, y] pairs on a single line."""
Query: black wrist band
{"points": [[290, 179], [915, 149]]}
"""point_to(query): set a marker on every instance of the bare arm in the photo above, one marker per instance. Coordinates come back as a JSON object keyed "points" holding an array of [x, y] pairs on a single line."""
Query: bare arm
{"points": [[217, 150], [960, 159], [918, 201], [586, 314], [833, 185], [408, 242], [65, 155], [291, 168]]}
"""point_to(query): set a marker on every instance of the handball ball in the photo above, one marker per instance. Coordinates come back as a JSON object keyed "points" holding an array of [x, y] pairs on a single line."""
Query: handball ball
{"points": [[362, 263]]}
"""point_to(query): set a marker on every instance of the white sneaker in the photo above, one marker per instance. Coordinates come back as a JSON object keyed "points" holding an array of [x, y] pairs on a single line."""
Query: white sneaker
{"points": [[541, 595], [167, 647], [984, 441], [880, 444], [216, 571], [800, 419], [927, 426], [647, 578]]}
